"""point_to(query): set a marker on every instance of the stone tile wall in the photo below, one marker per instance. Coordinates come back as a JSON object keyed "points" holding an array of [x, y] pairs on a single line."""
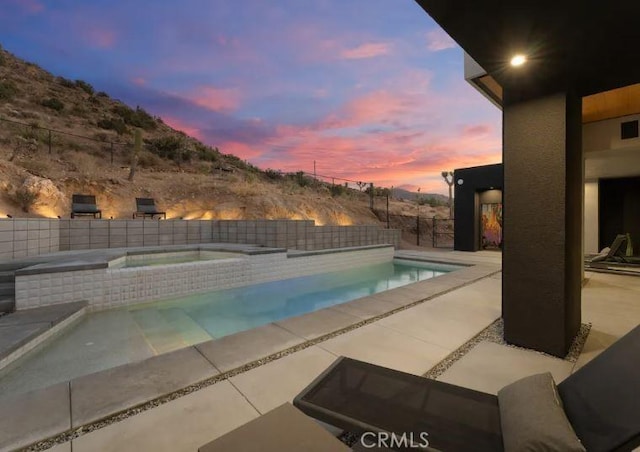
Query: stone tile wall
{"points": [[21, 238], [28, 237]]}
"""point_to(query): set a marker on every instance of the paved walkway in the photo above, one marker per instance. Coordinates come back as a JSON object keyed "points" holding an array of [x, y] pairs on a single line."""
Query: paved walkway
{"points": [[412, 341]]}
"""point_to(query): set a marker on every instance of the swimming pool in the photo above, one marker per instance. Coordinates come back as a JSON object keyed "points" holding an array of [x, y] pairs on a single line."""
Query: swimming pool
{"points": [[111, 338]]}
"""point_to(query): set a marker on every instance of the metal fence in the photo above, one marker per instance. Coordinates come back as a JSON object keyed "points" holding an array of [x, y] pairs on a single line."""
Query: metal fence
{"points": [[25, 138], [442, 232], [418, 230]]}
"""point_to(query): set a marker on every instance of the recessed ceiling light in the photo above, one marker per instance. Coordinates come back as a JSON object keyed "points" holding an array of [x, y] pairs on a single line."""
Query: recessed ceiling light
{"points": [[518, 60]]}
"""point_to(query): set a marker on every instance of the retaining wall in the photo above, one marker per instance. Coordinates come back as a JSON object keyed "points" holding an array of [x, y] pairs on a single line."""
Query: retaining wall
{"points": [[21, 238]]}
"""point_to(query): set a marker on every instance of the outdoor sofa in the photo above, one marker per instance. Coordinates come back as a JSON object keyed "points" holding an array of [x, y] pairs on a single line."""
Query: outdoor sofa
{"points": [[600, 402]]}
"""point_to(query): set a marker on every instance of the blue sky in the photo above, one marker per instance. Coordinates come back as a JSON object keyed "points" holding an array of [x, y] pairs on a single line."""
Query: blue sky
{"points": [[370, 89]]}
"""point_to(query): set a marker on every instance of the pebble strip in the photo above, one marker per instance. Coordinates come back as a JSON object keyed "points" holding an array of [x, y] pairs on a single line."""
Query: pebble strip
{"points": [[82, 430], [495, 333]]}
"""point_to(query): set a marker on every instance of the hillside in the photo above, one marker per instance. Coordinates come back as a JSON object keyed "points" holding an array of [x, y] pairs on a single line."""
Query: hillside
{"points": [[91, 151]]}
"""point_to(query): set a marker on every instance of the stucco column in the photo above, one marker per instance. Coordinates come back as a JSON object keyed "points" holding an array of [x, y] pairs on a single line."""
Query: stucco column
{"points": [[542, 221]]}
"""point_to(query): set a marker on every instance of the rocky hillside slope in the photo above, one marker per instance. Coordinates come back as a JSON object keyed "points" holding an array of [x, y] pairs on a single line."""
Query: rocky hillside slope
{"points": [[91, 151]]}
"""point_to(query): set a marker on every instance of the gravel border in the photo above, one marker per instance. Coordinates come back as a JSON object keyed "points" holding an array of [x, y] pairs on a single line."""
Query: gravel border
{"points": [[495, 333], [117, 417]]}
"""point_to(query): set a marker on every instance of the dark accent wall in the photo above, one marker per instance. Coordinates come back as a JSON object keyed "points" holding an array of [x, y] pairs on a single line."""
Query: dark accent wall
{"points": [[542, 222], [620, 210], [467, 202]]}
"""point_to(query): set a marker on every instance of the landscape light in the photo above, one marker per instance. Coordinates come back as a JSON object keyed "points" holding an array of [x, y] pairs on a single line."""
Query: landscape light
{"points": [[518, 60]]}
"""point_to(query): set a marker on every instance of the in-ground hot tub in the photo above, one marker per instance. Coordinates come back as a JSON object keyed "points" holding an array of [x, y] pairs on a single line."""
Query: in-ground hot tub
{"points": [[143, 259]]}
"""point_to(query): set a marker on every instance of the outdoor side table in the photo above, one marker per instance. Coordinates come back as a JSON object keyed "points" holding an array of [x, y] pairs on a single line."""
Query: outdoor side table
{"points": [[283, 429]]}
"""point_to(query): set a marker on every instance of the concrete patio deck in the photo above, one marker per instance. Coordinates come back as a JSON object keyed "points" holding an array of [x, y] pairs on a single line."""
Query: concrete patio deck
{"points": [[412, 340]]}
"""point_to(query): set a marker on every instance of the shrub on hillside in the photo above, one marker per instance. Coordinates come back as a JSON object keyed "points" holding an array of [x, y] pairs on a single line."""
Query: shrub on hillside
{"points": [[101, 136], [116, 124], [65, 82], [7, 90], [25, 198], [53, 103], [273, 174], [84, 86], [101, 94], [337, 190], [301, 179], [206, 153], [169, 147], [148, 160], [136, 118]]}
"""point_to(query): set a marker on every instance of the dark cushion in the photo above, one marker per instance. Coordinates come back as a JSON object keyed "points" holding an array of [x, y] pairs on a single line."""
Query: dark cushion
{"points": [[532, 417], [147, 209], [601, 398], [84, 207]]}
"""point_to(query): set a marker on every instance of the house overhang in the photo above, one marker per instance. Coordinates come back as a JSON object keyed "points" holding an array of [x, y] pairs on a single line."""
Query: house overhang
{"points": [[571, 45]]}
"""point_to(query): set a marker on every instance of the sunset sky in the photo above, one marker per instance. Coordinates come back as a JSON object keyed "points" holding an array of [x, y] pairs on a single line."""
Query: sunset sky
{"points": [[372, 90]]}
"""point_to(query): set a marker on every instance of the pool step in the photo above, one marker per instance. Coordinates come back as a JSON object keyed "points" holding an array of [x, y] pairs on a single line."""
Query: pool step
{"points": [[7, 289], [22, 330], [7, 304], [189, 329], [7, 277], [166, 330], [157, 331]]}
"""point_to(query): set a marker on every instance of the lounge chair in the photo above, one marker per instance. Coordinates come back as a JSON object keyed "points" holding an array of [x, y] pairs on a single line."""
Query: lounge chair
{"points": [[615, 254], [601, 402], [146, 207], [84, 205]]}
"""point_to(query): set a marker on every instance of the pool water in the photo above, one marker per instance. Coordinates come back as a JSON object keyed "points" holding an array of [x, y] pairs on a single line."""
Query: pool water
{"points": [[111, 338]]}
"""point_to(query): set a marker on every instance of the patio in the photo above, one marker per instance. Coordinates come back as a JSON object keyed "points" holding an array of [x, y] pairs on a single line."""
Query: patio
{"points": [[411, 340]]}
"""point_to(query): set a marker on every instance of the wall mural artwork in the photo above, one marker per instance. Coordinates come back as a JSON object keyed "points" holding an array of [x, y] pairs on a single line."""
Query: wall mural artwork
{"points": [[491, 220]]}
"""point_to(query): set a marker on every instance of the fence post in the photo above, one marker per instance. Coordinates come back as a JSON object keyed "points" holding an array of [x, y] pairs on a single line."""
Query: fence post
{"points": [[112, 152], [49, 141], [388, 223], [371, 196], [433, 233], [418, 230]]}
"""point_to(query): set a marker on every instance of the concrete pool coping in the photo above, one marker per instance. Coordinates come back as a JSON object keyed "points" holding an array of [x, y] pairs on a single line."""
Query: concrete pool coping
{"points": [[98, 399], [95, 259]]}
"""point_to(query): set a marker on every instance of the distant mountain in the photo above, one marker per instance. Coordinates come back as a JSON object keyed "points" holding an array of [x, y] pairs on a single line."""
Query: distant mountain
{"points": [[400, 193]]}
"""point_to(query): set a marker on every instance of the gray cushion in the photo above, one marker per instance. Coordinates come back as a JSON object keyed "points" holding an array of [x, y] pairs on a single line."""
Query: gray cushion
{"points": [[77, 207], [532, 417]]}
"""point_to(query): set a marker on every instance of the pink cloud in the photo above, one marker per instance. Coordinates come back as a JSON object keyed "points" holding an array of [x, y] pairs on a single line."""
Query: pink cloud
{"points": [[242, 150], [476, 130], [438, 40], [406, 132], [30, 6], [369, 50], [216, 99], [101, 37], [139, 81], [183, 126]]}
